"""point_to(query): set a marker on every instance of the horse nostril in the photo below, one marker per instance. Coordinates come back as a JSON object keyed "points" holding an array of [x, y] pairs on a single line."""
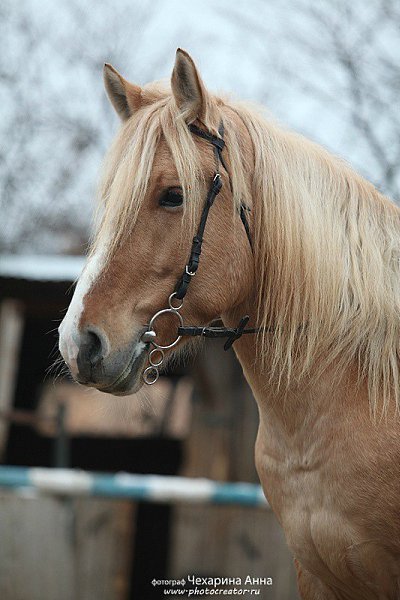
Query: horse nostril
{"points": [[92, 348]]}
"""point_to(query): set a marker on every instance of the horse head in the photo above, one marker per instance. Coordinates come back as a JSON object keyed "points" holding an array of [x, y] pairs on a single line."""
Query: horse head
{"points": [[157, 179]]}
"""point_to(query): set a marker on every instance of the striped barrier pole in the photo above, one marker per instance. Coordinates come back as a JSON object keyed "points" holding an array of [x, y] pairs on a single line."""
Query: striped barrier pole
{"points": [[150, 488]]}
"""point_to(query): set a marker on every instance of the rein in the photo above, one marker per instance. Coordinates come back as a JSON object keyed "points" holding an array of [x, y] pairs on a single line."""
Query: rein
{"points": [[156, 354]]}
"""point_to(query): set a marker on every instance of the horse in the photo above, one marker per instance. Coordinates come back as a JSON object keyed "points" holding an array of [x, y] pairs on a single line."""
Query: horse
{"points": [[317, 271]]}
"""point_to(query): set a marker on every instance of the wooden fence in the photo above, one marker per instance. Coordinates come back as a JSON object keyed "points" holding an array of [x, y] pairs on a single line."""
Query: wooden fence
{"points": [[59, 540]]}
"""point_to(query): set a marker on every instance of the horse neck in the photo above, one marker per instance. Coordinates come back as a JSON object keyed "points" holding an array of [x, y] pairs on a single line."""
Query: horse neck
{"points": [[298, 416], [325, 263]]}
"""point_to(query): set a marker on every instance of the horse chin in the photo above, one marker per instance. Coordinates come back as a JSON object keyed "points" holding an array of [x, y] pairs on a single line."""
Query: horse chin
{"points": [[130, 380]]}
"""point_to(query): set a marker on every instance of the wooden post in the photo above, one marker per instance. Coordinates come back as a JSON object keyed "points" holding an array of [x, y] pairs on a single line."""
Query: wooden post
{"points": [[64, 549], [11, 327]]}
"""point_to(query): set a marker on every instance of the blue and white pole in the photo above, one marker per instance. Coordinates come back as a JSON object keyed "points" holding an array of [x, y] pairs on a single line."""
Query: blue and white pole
{"points": [[150, 488]]}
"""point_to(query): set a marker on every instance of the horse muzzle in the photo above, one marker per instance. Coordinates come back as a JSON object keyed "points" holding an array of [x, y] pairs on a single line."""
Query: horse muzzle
{"points": [[95, 364]]}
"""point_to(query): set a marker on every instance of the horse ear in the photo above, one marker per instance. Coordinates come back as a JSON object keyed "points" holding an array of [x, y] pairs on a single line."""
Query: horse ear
{"points": [[124, 96], [187, 87]]}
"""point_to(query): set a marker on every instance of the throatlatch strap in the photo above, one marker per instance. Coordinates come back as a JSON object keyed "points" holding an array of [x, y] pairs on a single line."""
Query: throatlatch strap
{"points": [[219, 145], [190, 270], [243, 218]]}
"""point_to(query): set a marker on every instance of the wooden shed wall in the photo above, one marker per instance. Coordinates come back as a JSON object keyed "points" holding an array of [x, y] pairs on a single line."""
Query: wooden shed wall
{"points": [[64, 549]]}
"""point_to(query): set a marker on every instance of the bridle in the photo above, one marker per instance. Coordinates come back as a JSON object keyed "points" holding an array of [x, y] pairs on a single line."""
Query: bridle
{"points": [[156, 352]]}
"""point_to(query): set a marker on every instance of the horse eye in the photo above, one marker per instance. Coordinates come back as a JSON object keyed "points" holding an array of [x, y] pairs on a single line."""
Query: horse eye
{"points": [[172, 197]]}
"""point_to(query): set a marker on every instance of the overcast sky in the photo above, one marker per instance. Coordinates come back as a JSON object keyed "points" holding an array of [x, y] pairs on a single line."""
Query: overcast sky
{"points": [[57, 123]]}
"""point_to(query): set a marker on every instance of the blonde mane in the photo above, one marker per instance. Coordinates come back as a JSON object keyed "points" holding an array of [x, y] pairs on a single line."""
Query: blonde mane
{"points": [[326, 243]]}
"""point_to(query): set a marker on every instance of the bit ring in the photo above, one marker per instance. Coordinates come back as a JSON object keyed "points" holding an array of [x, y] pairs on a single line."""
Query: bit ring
{"points": [[150, 375], [165, 311], [156, 363], [172, 307]]}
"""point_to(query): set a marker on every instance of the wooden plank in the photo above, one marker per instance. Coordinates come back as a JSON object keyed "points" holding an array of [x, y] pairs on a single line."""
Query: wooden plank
{"points": [[244, 427], [225, 420], [36, 558], [11, 327], [232, 542], [103, 557], [207, 449], [166, 411], [69, 549]]}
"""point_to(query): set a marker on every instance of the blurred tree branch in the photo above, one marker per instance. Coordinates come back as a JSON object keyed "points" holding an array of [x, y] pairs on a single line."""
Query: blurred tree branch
{"points": [[352, 51], [57, 122], [336, 62]]}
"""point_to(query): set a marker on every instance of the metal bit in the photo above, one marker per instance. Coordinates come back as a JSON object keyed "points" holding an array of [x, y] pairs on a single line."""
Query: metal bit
{"points": [[149, 336]]}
